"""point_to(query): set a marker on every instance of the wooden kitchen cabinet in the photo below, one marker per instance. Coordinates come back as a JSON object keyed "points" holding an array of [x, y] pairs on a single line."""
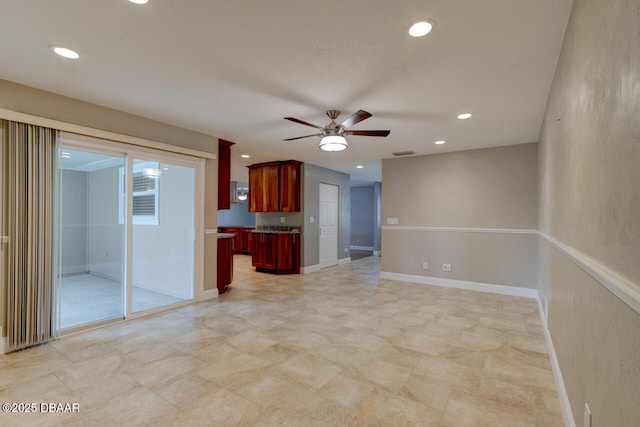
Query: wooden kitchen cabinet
{"points": [[246, 238], [288, 253], [224, 174], [265, 250], [276, 252], [263, 187], [225, 264], [241, 243], [289, 186], [275, 186]]}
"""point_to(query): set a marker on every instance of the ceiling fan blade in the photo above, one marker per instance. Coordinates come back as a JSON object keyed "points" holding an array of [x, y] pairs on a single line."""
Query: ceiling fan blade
{"points": [[369, 132], [293, 119], [300, 137], [356, 117]]}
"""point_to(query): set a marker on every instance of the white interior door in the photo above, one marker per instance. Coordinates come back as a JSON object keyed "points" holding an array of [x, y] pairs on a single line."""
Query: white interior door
{"points": [[328, 225]]}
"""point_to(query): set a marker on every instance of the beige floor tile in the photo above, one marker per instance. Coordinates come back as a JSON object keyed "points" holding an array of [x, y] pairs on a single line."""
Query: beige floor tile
{"points": [[421, 342], [426, 390], [546, 409], [186, 389], [468, 410], [518, 373], [233, 365], [382, 408], [346, 391], [306, 369], [138, 407], [265, 391], [92, 371], [338, 347], [161, 372], [251, 341], [389, 376], [99, 393]]}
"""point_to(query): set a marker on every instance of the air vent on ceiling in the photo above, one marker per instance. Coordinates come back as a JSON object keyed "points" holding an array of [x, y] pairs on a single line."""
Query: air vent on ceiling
{"points": [[404, 153]]}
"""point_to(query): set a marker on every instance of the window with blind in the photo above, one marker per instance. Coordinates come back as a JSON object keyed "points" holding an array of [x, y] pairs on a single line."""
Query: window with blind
{"points": [[145, 193]]}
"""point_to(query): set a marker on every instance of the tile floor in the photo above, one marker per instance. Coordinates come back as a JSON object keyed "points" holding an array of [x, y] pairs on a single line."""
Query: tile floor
{"points": [[88, 298], [339, 347]]}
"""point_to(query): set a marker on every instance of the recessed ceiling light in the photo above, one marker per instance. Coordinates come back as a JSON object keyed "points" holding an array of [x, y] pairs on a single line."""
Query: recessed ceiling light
{"points": [[244, 156], [360, 167], [66, 155], [421, 28], [442, 141], [464, 116], [139, 1], [64, 52]]}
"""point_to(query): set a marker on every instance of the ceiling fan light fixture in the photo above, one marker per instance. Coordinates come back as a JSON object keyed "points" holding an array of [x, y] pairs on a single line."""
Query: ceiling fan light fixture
{"points": [[333, 143], [420, 29]]}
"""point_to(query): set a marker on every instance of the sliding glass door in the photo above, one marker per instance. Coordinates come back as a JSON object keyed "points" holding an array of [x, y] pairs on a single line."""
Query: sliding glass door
{"points": [[162, 234], [127, 231], [92, 238]]}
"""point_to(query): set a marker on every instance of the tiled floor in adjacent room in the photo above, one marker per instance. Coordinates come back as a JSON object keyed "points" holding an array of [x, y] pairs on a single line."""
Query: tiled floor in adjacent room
{"points": [[339, 347]]}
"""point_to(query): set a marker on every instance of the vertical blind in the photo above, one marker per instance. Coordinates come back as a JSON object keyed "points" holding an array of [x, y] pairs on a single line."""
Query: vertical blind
{"points": [[32, 165]]}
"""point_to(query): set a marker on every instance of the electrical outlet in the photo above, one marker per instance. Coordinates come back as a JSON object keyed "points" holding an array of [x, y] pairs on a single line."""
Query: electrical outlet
{"points": [[311, 220], [425, 265], [392, 221], [446, 267], [283, 219]]}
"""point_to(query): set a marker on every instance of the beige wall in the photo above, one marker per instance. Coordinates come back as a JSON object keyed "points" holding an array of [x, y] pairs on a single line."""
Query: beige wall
{"points": [[28, 100], [494, 188], [590, 201], [32, 101], [488, 188]]}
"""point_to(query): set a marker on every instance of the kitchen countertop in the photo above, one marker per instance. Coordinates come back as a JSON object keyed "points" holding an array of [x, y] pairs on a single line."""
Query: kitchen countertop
{"points": [[274, 229], [226, 235]]}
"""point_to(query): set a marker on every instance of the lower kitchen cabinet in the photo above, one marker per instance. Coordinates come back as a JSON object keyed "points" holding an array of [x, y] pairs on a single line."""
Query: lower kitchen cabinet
{"points": [[277, 253], [265, 249], [225, 263], [246, 241], [241, 242]]}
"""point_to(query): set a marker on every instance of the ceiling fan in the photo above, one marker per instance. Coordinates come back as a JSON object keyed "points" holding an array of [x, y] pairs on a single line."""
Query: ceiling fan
{"points": [[333, 134]]}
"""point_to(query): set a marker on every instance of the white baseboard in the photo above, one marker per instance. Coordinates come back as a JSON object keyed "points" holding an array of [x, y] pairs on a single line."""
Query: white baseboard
{"points": [[361, 248], [318, 267], [310, 269], [567, 413], [207, 295], [462, 284]]}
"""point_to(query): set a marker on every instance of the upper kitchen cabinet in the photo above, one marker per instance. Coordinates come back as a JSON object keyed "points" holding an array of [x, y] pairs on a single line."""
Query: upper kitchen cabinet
{"points": [[274, 187], [224, 174]]}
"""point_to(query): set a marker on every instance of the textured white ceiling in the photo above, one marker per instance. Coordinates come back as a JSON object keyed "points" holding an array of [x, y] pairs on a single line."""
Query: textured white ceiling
{"points": [[234, 69]]}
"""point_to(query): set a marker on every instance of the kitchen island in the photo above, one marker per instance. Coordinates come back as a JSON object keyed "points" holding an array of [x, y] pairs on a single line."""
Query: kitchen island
{"points": [[276, 249]]}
